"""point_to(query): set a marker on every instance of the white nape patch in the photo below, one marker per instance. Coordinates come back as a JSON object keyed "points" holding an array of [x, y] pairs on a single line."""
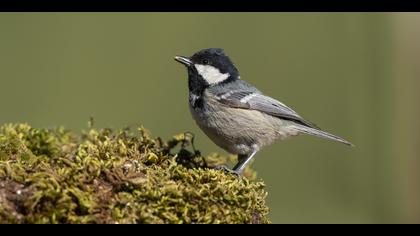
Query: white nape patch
{"points": [[248, 97], [211, 74]]}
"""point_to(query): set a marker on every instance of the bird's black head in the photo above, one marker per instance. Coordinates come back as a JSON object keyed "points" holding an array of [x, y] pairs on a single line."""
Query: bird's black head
{"points": [[208, 67]]}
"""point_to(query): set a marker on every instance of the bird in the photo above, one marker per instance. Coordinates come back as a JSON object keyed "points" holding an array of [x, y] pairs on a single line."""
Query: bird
{"points": [[234, 114]]}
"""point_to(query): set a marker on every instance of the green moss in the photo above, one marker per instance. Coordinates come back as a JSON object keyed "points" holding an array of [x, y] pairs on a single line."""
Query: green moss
{"points": [[119, 176]]}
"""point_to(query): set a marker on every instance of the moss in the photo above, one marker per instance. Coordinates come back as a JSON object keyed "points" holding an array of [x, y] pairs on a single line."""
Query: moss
{"points": [[119, 176]]}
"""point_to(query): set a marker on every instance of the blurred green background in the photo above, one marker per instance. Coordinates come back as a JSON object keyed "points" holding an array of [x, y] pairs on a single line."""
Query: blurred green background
{"points": [[353, 74]]}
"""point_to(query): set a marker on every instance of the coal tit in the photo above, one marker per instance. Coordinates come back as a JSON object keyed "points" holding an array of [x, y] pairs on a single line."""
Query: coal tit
{"points": [[235, 115]]}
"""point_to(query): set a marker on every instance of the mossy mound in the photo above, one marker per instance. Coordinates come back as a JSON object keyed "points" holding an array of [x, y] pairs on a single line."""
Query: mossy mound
{"points": [[118, 176]]}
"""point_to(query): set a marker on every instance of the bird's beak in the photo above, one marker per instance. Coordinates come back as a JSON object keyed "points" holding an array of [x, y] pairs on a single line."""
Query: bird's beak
{"points": [[184, 60]]}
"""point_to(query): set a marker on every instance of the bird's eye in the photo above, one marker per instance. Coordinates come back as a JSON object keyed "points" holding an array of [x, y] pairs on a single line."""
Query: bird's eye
{"points": [[205, 61]]}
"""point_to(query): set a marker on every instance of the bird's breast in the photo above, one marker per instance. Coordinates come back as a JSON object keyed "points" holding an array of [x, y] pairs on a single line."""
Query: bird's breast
{"points": [[234, 129]]}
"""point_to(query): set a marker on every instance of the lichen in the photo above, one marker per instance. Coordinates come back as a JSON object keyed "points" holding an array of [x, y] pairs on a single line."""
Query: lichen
{"points": [[119, 176]]}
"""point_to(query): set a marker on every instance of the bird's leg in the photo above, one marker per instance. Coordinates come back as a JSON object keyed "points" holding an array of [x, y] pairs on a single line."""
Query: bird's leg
{"points": [[243, 160]]}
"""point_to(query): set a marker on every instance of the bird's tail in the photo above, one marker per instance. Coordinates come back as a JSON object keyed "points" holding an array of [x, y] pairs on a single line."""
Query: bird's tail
{"points": [[320, 133]]}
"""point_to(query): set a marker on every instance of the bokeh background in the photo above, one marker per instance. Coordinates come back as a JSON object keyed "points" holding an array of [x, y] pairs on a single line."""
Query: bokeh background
{"points": [[353, 74]]}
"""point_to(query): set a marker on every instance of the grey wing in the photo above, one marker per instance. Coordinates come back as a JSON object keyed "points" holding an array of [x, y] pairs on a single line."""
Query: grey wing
{"points": [[255, 100]]}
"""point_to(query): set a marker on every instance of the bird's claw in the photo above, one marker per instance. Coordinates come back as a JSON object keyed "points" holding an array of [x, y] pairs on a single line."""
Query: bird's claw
{"points": [[227, 170]]}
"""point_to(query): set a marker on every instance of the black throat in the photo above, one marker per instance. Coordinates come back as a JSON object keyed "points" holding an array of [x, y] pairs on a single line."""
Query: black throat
{"points": [[196, 86], [196, 83]]}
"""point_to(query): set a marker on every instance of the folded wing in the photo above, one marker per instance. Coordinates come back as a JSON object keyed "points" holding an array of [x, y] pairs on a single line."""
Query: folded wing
{"points": [[255, 100]]}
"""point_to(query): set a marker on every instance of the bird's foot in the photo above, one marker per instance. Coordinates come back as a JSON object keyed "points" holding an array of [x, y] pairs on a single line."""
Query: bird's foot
{"points": [[227, 170]]}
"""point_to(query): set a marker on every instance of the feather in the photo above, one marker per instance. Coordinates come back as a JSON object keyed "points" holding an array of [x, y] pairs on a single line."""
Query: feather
{"points": [[254, 100]]}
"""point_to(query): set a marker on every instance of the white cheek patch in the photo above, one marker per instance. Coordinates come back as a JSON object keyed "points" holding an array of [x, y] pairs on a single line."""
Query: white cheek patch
{"points": [[211, 74]]}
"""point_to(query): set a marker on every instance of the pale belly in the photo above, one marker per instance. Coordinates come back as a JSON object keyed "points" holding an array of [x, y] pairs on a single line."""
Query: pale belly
{"points": [[240, 131]]}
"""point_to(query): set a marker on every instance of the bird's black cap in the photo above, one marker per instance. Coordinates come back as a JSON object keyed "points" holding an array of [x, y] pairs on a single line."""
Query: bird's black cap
{"points": [[217, 58], [213, 58]]}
